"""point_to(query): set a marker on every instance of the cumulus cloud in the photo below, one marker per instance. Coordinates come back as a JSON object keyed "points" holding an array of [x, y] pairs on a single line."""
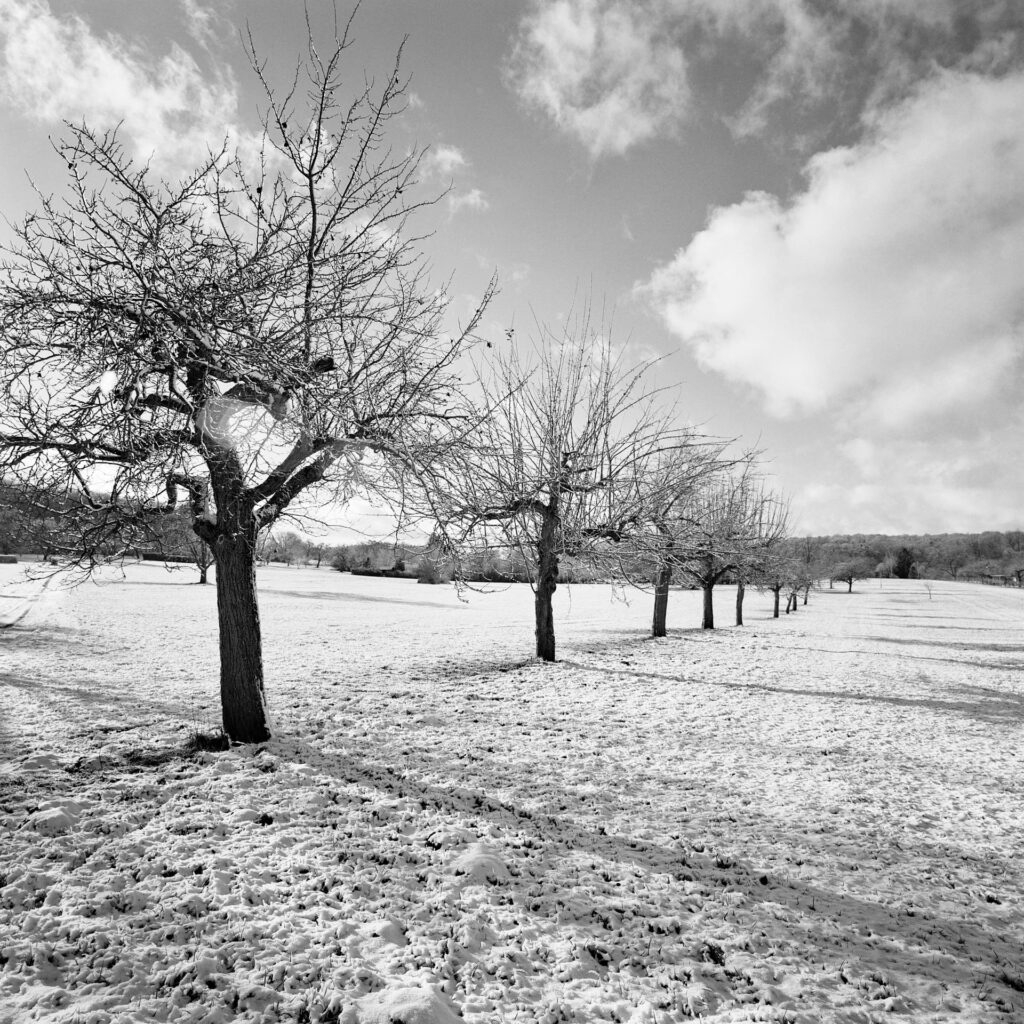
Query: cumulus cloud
{"points": [[892, 279], [601, 70], [55, 68]]}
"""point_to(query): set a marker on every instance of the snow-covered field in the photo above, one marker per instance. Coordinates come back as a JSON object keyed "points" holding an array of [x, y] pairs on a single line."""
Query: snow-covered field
{"points": [[811, 819]]}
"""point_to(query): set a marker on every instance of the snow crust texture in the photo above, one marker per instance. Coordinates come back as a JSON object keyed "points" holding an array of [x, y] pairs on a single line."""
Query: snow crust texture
{"points": [[814, 819]]}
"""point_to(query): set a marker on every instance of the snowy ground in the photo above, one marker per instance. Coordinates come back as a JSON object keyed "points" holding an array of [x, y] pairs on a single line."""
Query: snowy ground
{"points": [[814, 819]]}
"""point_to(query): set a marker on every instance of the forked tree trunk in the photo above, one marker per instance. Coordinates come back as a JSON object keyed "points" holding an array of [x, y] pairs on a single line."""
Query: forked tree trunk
{"points": [[241, 654], [661, 600], [849, 589], [708, 621], [547, 583], [203, 569], [776, 591], [740, 592]]}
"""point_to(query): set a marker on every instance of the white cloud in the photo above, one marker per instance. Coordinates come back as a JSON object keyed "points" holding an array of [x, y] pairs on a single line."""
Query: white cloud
{"points": [[204, 24], [616, 73], [55, 68], [933, 485], [474, 199], [443, 161], [601, 70], [897, 268]]}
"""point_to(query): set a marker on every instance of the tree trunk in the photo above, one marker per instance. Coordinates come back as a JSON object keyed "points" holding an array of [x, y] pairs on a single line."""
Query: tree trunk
{"points": [[241, 651], [776, 591], [202, 574], [796, 600], [547, 583], [740, 591], [850, 586], [661, 600], [807, 591], [708, 621]]}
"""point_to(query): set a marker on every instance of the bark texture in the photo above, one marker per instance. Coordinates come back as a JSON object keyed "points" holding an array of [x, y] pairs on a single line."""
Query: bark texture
{"points": [[708, 620], [547, 583], [241, 652], [740, 592], [661, 586]]}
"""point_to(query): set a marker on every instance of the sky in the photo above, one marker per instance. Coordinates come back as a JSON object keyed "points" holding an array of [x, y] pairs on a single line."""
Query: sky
{"points": [[811, 211]]}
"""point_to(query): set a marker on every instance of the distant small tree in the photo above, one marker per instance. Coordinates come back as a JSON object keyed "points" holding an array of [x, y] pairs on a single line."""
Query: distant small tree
{"points": [[174, 537], [854, 569], [774, 574]]}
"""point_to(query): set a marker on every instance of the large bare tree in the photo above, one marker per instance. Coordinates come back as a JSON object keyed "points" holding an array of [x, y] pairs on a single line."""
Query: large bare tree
{"points": [[260, 328], [557, 465]]}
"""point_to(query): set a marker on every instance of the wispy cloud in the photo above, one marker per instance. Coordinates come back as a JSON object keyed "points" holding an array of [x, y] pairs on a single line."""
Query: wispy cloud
{"points": [[55, 68], [474, 199], [603, 72], [443, 161], [918, 485], [617, 73]]}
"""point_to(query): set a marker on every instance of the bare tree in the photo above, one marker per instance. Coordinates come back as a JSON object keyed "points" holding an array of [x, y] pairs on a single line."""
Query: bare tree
{"points": [[853, 569], [558, 464], [174, 538], [721, 528], [251, 332], [767, 517], [775, 573], [671, 484]]}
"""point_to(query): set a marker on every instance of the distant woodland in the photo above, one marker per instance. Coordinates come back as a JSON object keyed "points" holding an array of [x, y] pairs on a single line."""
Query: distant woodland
{"points": [[988, 557]]}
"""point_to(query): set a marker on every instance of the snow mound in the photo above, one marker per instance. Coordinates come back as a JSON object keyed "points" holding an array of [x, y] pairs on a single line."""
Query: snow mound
{"points": [[40, 762], [388, 929], [423, 1005], [56, 818], [481, 863]]}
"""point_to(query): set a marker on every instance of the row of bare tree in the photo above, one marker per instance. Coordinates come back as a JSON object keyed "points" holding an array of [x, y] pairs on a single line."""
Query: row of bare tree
{"points": [[264, 328]]}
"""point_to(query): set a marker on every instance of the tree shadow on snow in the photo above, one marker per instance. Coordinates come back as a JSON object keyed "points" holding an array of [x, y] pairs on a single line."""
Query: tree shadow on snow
{"points": [[334, 597], [1006, 709], [922, 944], [58, 692], [956, 645]]}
